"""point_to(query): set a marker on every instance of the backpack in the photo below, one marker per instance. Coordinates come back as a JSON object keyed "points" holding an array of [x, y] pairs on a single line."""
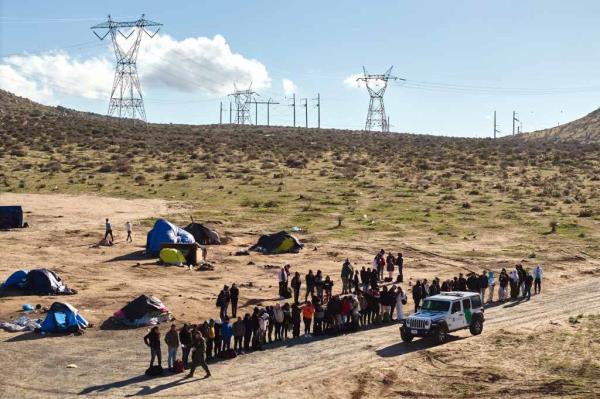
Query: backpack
{"points": [[287, 293], [178, 366], [154, 371]]}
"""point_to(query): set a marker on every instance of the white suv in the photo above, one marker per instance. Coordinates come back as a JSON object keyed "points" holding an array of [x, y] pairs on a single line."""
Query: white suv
{"points": [[444, 313]]}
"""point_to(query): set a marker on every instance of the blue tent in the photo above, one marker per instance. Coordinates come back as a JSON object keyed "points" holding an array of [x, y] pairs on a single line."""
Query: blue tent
{"points": [[166, 232], [16, 280], [63, 317], [11, 217]]}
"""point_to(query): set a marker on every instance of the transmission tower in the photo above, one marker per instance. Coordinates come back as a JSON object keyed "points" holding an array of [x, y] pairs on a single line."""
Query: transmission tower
{"points": [[126, 99], [376, 86], [243, 99]]}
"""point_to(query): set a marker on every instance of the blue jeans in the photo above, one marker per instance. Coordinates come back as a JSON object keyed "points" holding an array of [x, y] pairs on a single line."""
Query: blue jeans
{"points": [[172, 356]]}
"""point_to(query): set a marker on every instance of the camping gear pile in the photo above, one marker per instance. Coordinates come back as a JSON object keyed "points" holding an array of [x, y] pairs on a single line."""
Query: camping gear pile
{"points": [[23, 323], [166, 232], [145, 310], [36, 282], [202, 234], [277, 243], [11, 217], [63, 317]]}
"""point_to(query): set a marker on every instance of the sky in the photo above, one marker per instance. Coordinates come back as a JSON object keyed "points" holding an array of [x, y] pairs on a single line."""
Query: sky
{"points": [[462, 60]]}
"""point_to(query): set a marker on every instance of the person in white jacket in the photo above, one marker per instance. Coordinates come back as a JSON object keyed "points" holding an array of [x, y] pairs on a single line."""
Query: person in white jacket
{"points": [[400, 299]]}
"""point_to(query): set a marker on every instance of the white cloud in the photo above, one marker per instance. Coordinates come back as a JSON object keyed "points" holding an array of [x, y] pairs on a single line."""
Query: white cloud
{"points": [[191, 65], [351, 81], [289, 87]]}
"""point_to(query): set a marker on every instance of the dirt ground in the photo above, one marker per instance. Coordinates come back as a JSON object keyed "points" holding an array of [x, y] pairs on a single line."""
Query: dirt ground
{"points": [[371, 363]]}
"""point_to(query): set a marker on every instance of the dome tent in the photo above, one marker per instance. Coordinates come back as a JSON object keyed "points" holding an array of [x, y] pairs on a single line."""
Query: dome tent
{"points": [[143, 311], [277, 243], [166, 232], [37, 282], [63, 317], [17, 280], [202, 234]]}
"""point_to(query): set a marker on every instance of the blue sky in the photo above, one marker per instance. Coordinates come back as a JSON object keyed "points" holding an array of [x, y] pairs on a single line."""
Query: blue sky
{"points": [[462, 59]]}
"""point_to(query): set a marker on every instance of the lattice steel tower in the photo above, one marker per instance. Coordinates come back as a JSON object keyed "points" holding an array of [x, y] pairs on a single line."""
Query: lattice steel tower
{"points": [[376, 86], [126, 100], [243, 99]]}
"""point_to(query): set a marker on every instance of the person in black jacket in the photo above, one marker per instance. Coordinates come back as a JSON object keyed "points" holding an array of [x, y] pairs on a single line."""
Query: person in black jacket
{"points": [[296, 319], [185, 339], [483, 285], [461, 283], [365, 276], [234, 294], [310, 284], [417, 293], [255, 329], [400, 264], [527, 284], [296, 283], [152, 340], [223, 301], [247, 332]]}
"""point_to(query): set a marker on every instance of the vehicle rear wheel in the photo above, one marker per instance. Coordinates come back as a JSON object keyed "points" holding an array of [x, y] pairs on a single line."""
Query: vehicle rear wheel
{"points": [[441, 334], [476, 327], [406, 335]]}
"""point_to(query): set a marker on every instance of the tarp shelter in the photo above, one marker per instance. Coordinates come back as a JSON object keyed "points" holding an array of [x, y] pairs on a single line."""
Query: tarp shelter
{"points": [[63, 317], [11, 217], [143, 311], [189, 251], [203, 235], [38, 282], [172, 256], [277, 243], [166, 232]]}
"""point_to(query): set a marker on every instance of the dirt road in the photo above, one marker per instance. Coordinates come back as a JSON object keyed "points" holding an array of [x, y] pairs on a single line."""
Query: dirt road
{"points": [[109, 363]]}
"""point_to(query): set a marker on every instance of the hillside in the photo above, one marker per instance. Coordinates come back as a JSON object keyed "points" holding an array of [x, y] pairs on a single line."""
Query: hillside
{"points": [[584, 130]]}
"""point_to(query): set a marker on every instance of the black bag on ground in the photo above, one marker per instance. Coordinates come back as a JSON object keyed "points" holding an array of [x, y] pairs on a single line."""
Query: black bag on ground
{"points": [[228, 354], [154, 371], [398, 279], [286, 293], [387, 279]]}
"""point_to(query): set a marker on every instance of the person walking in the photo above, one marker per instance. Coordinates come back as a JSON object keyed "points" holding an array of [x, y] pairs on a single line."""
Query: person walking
{"points": [[108, 230], [172, 341], [296, 283], [185, 339], [239, 330], [310, 285], [234, 294], [128, 228], [152, 340], [538, 273], [400, 265], [198, 355], [308, 311]]}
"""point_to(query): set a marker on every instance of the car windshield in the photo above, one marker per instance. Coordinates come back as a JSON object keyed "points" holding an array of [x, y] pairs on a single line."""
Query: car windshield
{"points": [[439, 306]]}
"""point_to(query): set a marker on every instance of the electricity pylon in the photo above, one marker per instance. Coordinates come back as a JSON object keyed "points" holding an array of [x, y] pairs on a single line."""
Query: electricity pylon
{"points": [[126, 100], [243, 99], [376, 86]]}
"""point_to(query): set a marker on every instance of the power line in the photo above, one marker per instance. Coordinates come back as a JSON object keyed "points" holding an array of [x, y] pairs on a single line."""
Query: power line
{"points": [[376, 86]]}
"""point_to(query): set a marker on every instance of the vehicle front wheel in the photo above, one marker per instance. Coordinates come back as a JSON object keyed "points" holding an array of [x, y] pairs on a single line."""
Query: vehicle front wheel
{"points": [[406, 335], [476, 327], [441, 334]]}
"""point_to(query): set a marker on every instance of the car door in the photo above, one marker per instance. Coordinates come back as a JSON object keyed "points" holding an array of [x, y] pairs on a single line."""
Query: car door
{"points": [[467, 311], [455, 320]]}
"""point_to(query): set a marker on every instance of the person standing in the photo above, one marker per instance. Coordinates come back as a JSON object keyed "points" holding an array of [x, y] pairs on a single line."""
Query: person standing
{"points": [[152, 340], [400, 265], [234, 294], [356, 282], [491, 285], [502, 286], [296, 315], [226, 334], [128, 229], [172, 341], [185, 339], [538, 273], [108, 230], [310, 285], [328, 288], [282, 276], [483, 285], [319, 285], [223, 301], [247, 332], [527, 284], [308, 311], [417, 292], [278, 320], [390, 264], [296, 284], [198, 355], [400, 302], [346, 275], [239, 331]]}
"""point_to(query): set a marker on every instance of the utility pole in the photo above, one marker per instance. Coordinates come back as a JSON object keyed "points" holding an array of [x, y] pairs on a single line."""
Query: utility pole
{"points": [[318, 110], [126, 100], [293, 105], [221, 113], [268, 103], [514, 119], [495, 126], [256, 113], [230, 113], [305, 111], [388, 124], [376, 86]]}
